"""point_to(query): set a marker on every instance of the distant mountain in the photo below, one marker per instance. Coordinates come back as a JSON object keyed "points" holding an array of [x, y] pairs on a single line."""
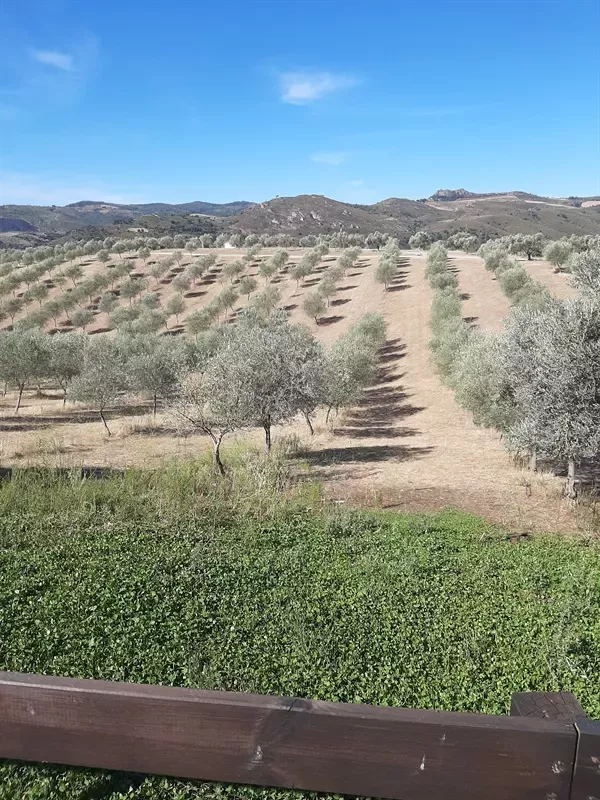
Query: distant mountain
{"points": [[483, 214], [446, 211], [54, 221]]}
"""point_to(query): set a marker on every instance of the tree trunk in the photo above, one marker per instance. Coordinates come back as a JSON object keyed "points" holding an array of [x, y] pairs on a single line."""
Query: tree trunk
{"points": [[155, 400], [327, 415], [64, 396], [217, 454], [528, 256], [309, 423], [571, 491], [18, 406], [533, 461], [267, 427], [104, 421]]}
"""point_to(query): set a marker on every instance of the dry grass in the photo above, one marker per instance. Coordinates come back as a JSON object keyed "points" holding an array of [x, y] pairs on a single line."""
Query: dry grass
{"points": [[407, 446]]}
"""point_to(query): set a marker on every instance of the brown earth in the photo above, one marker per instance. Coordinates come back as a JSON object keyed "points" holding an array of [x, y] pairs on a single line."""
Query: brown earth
{"points": [[407, 446]]}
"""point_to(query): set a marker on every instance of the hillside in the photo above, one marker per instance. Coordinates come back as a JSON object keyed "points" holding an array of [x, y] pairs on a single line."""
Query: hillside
{"points": [[44, 223], [446, 211], [484, 215]]}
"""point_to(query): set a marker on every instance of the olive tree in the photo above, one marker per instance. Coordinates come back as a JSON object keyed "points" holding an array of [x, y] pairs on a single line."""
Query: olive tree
{"points": [[553, 363], [144, 254], [66, 358], [375, 240], [74, 273], [529, 244], [265, 367], [103, 256], [175, 306], [327, 288], [420, 240], [107, 303], [280, 258], [265, 302], [247, 285], [154, 364], [181, 283], [82, 318], [24, 357], [202, 403], [314, 306], [385, 272], [103, 376], [481, 383], [351, 362], [39, 292], [585, 271], [267, 269], [557, 253], [233, 269], [12, 307]]}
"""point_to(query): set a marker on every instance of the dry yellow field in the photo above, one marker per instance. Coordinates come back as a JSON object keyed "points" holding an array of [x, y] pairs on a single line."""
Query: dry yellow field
{"points": [[407, 446]]}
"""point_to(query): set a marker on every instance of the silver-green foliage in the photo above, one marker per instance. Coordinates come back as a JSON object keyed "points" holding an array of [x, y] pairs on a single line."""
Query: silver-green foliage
{"points": [[103, 377], [585, 271]]}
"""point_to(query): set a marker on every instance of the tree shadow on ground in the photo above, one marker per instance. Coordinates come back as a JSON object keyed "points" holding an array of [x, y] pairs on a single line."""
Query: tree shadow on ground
{"points": [[587, 472], [195, 294], [371, 431], [96, 473], [324, 321], [341, 302], [358, 454], [291, 307], [25, 422], [381, 408]]}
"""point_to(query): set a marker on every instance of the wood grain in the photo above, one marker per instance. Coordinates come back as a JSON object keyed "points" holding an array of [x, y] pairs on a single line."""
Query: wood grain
{"points": [[284, 742], [547, 705], [586, 778]]}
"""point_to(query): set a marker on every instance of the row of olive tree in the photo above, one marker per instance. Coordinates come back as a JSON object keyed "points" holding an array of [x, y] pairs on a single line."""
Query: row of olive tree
{"points": [[536, 382], [257, 373], [316, 303], [514, 279]]}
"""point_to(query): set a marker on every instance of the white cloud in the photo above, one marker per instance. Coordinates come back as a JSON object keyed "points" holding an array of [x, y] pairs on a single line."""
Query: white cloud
{"points": [[333, 159], [54, 59], [301, 88]]}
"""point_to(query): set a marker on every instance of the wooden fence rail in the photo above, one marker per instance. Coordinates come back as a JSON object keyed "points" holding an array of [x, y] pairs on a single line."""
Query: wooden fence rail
{"points": [[546, 750]]}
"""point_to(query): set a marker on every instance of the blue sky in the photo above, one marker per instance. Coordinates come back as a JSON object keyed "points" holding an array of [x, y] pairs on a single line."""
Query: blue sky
{"points": [[142, 100]]}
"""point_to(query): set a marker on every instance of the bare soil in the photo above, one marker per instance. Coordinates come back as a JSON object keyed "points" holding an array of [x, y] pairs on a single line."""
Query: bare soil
{"points": [[406, 446]]}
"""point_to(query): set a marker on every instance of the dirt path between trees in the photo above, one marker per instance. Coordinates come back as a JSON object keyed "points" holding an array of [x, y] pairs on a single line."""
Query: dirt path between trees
{"points": [[406, 446]]}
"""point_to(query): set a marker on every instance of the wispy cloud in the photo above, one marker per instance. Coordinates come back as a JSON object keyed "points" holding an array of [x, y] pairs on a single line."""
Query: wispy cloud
{"points": [[42, 79], [58, 189], [333, 159], [54, 58], [302, 88]]}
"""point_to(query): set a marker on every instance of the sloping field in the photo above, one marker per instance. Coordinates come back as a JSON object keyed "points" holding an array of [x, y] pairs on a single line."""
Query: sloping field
{"points": [[407, 445]]}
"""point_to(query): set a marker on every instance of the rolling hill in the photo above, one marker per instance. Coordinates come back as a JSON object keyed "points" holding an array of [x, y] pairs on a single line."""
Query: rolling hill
{"points": [[446, 211], [45, 223]]}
